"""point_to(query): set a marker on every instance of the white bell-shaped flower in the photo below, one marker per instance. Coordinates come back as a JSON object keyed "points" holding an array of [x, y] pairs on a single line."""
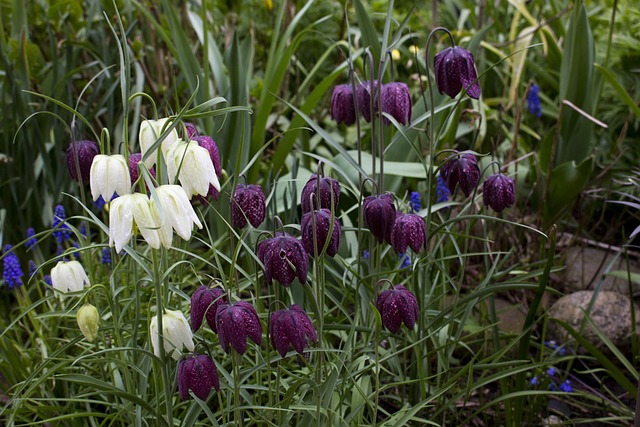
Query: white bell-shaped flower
{"points": [[178, 212], [108, 175], [196, 170], [176, 334], [150, 131], [68, 276]]}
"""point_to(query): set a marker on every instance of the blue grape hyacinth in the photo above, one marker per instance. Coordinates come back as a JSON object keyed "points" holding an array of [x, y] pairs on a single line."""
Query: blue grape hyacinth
{"points": [[533, 101], [61, 232], [12, 272], [415, 202], [31, 239]]}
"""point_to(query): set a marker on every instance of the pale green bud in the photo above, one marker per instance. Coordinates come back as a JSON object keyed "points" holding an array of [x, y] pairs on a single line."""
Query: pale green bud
{"points": [[88, 320]]}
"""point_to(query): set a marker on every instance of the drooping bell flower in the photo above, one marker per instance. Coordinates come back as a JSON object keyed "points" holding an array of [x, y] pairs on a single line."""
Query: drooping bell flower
{"points": [[204, 304], [408, 230], [454, 71], [88, 320], [197, 372], [191, 164], [68, 276], [236, 322], [208, 143], [379, 215], [150, 132], [293, 328], [192, 130], [396, 101], [396, 306], [322, 220], [461, 168], [109, 175], [178, 212], [364, 92], [86, 150], [12, 271], [342, 105], [284, 258], [326, 188], [247, 204], [122, 213], [498, 192], [176, 334]]}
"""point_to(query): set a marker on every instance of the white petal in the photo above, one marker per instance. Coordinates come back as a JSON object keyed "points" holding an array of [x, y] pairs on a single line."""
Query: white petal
{"points": [[97, 176], [147, 219], [121, 221]]}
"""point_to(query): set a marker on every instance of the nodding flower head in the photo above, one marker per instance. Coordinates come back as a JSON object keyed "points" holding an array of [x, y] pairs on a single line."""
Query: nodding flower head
{"points": [[379, 215], [397, 305], [86, 150], [322, 220], [454, 71], [198, 373], [208, 143], [408, 230], [461, 168], [498, 192], [291, 327], [396, 101], [204, 304], [247, 203], [236, 322], [284, 258], [325, 188], [109, 175], [192, 130], [342, 105]]}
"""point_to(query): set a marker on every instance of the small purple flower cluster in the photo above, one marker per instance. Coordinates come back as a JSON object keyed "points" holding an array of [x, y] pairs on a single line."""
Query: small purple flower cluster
{"points": [[394, 99]]}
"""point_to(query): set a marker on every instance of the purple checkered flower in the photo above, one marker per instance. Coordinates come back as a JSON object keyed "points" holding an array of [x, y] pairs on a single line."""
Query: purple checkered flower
{"points": [[461, 168], [396, 101], [247, 203], [364, 92], [408, 230], [322, 218], [192, 130], [325, 188], [379, 215], [454, 71], [284, 258], [498, 192], [291, 327], [397, 305], [134, 159], [204, 304], [208, 143], [236, 322], [86, 150], [342, 105], [197, 372]]}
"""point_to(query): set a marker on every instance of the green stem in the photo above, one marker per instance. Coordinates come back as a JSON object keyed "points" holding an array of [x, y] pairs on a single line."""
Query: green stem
{"points": [[163, 354]]}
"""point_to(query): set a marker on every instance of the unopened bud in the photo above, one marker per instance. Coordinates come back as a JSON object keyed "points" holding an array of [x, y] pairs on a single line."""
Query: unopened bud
{"points": [[88, 319]]}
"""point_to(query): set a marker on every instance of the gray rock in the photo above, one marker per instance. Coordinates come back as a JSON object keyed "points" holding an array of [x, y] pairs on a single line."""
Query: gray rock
{"points": [[611, 313], [586, 266]]}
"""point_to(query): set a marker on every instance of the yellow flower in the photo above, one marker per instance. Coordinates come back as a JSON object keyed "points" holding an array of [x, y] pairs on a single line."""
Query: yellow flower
{"points": [[88, 321], [395, 54]]}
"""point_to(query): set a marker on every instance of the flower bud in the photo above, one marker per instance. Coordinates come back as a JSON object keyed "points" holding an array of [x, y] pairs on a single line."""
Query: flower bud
{"points": [[88, 321], [86, 150], [454, 70]]}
